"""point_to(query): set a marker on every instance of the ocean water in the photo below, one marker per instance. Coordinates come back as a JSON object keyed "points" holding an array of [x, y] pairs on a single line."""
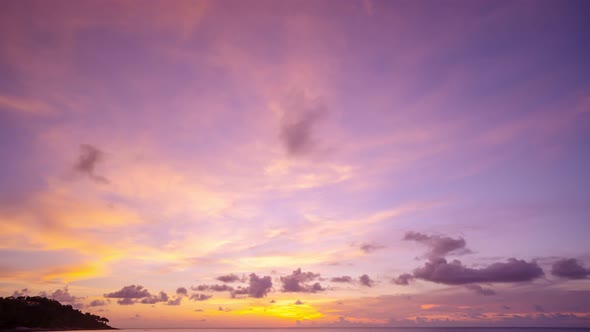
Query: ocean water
{"points": [[392, 329]]}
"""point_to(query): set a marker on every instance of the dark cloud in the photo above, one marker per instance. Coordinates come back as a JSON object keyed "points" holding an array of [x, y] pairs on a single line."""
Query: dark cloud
{"points": [[181, 291], [213, 288], [538, 308], [341, 279], [175, 301], [131, 292], [403, 279], [455, 273], [229, 278], [199, 297], [569, 269], [162, 297], [89, 157], [257, 287], [505, 307], [298, 302], [368, 248], [63, 296], [126, 301], [439, 246], [299, 282], [366, 281], [301, 115], [480, 290], [97, 303]]}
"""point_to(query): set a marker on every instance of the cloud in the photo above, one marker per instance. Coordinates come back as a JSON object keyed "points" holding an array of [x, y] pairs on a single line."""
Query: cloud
{"points": [[22, 292], [213, 288], [368, 248], [439, 246], [403, 279], [97, 303], [229, 278], [341, 279], [89, 157], [181, 291], [199, 297], [126, 301], [63, 296], [366, 281], [175, 301], [298, 302], [454, 273], [162, 297], [538, 308], [299, 282], [257, 287], [480, 290], [300, 116], [569, 269], [130, 292]]}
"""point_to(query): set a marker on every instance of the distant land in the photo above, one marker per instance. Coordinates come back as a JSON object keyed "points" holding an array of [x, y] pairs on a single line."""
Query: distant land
{"points": [[39, 313]]}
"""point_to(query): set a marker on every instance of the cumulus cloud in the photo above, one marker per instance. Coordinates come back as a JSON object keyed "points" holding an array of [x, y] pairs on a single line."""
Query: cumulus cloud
{"points": [[162, 297], [126, 301], [229, 278], [403, 279], [480, 290], [342, 279], [63, 296], [130, 292], [368, 248], [569, 269], [257, 287], [455, 273], [300, 282], [175, 301], [199, 297], [439, 246], [97, 303], [298, 302], [301, 115], [366, 281], [181, 291], [89, 157]]}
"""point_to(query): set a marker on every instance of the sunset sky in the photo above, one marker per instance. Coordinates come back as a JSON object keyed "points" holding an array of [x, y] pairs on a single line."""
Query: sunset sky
{"points": [[298, 163]]}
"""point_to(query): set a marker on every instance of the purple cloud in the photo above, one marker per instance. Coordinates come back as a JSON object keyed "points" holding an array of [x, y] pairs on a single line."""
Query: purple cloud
{"points": [[366, 281], [298, 282], [342, 279], [300, 118], [403, 279], [257, 287], [199, 297], [213, 288], [368, 248], [480, 290], [175, 301], [130, 292], [439, 246], [161, 297], [89, 157], [569, 269], [126, 301], [181, 291], [229, 278], [454, 273], [97, 303]]}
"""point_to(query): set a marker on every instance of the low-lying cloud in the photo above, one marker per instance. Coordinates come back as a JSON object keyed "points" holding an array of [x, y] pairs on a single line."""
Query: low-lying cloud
{"points": [[301, 282], [439, 246], [569, 269]]}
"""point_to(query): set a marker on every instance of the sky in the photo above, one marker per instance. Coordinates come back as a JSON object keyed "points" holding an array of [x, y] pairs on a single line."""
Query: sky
{"points": [[298, 163]]}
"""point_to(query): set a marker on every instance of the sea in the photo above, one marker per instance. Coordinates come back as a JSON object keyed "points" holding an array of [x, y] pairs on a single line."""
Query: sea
{"points": [[348, 329]]}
